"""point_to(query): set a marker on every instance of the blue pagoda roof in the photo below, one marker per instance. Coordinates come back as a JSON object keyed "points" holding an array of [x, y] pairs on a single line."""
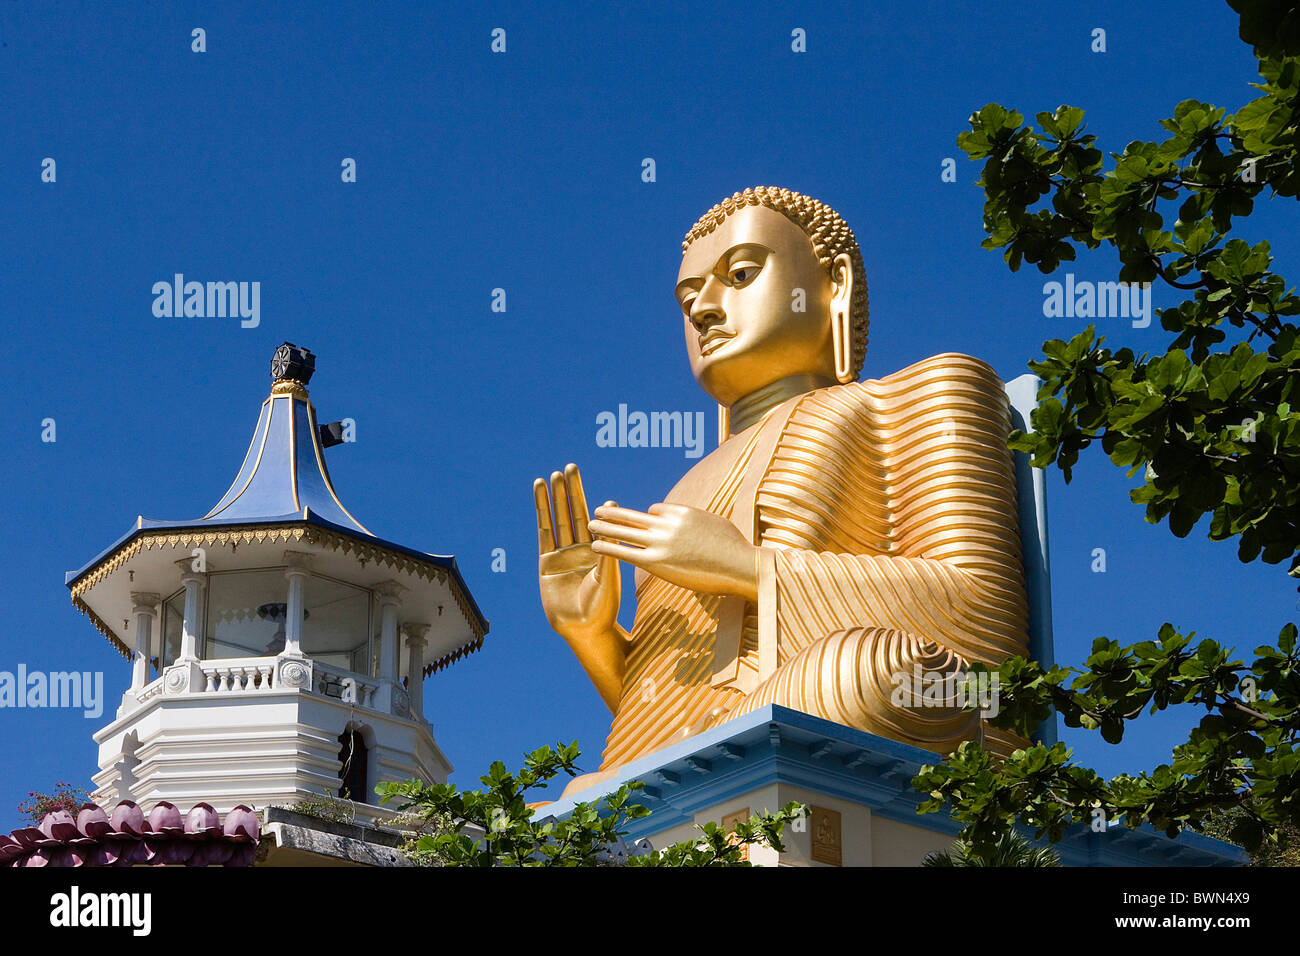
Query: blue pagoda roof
{"points": [[284, 470]]}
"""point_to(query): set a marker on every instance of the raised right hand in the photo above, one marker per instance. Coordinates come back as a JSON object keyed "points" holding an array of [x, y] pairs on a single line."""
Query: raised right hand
{"points": [[580, 589]]}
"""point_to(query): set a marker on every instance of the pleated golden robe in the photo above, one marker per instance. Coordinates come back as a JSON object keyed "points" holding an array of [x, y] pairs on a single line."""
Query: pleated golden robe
{"points": [[886, 513]]}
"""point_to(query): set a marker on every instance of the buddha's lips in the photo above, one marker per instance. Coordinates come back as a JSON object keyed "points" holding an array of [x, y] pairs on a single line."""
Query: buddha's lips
{"points": [[712, 341]]}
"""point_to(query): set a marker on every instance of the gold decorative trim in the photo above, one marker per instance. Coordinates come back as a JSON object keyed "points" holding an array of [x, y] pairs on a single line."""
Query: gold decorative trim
{"points": [[100, 626], [291, 387]]}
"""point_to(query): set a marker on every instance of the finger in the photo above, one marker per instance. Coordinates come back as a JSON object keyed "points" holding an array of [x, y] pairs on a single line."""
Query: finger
{"points": [[664, 508], [639, 557], [563, 520], [606, 567], [545, 537], [606, 531], [577, 503], [627, 516]]}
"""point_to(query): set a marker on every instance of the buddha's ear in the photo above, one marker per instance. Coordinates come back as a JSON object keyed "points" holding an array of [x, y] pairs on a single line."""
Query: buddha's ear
{"points": [[841, 319]]}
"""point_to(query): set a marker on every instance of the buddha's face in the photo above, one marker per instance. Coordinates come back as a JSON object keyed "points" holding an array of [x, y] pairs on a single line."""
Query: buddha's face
{"points": [[755, 305]]}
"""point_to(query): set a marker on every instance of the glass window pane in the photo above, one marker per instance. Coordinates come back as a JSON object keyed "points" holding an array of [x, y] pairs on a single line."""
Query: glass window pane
{"points": [[245, 613], [173, 625], [336, 630]]}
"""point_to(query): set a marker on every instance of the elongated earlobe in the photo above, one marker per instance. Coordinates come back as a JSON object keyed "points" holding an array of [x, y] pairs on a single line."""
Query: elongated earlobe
{"points": [[841, 319]]}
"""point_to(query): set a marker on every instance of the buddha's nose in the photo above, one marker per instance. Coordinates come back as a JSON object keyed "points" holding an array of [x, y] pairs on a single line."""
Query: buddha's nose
{"points": [[703, 319], [706, 311]]}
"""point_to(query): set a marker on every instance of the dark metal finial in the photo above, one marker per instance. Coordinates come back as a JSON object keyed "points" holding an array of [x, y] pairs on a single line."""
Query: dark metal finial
{"points": [[291, 362]]}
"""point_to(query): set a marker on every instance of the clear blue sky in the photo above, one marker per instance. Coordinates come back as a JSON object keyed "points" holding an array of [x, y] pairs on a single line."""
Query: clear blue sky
{"points": [[519, 171]]}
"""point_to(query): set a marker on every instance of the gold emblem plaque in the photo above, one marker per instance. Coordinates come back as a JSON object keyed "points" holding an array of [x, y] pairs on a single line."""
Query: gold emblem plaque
{"points": [[826, 836], [729, 823]]}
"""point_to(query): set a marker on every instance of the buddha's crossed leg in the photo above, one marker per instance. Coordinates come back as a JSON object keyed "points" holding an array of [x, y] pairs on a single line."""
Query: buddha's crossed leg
{"points": [[880, 680]]}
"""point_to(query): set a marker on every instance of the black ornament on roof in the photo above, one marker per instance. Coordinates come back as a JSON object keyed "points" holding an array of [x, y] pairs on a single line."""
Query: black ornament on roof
{"points": [[291, 362]]}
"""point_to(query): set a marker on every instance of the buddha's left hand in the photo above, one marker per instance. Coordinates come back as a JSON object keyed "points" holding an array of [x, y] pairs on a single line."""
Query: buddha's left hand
{"points": [[686, 546]]}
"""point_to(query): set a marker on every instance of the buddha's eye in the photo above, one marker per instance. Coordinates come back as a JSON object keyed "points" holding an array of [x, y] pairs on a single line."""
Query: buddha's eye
{"points": [[686, 302], [742, 273]]}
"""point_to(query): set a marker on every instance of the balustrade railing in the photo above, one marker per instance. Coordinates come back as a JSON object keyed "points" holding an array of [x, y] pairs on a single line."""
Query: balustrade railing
{"points": [[255, 675], [344, 685], [226, 676]]}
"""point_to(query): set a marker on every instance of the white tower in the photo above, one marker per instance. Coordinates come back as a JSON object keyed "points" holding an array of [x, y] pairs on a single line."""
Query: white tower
{"points": [[278, 648]]}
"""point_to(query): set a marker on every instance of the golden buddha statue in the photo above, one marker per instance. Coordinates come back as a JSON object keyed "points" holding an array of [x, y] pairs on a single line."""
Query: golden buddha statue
{"points": [[842, 534]]}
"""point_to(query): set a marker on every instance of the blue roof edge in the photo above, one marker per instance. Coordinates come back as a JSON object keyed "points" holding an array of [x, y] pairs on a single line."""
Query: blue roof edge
{"points": [[775, 743]]}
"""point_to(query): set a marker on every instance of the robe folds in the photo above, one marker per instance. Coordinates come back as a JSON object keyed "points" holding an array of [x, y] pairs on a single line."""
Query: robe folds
{"points": [[885, 511]]}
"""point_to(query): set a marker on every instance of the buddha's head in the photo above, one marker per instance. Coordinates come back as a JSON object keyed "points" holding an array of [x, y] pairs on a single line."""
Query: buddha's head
{"points": [[771, 286]]}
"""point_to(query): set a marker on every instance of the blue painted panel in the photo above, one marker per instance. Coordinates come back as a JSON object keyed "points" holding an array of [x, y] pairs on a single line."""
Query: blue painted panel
{"points": [[1031, 487]]}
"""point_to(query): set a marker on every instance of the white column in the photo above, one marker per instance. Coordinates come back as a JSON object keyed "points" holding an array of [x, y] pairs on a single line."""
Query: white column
{"points": [[144, 603], [390, 593], [194, 584], [416, 639], [296, 571]]}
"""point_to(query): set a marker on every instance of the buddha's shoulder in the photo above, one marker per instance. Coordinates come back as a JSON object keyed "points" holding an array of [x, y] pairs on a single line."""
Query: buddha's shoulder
{"points": [[951, 370], [948, 378]]}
